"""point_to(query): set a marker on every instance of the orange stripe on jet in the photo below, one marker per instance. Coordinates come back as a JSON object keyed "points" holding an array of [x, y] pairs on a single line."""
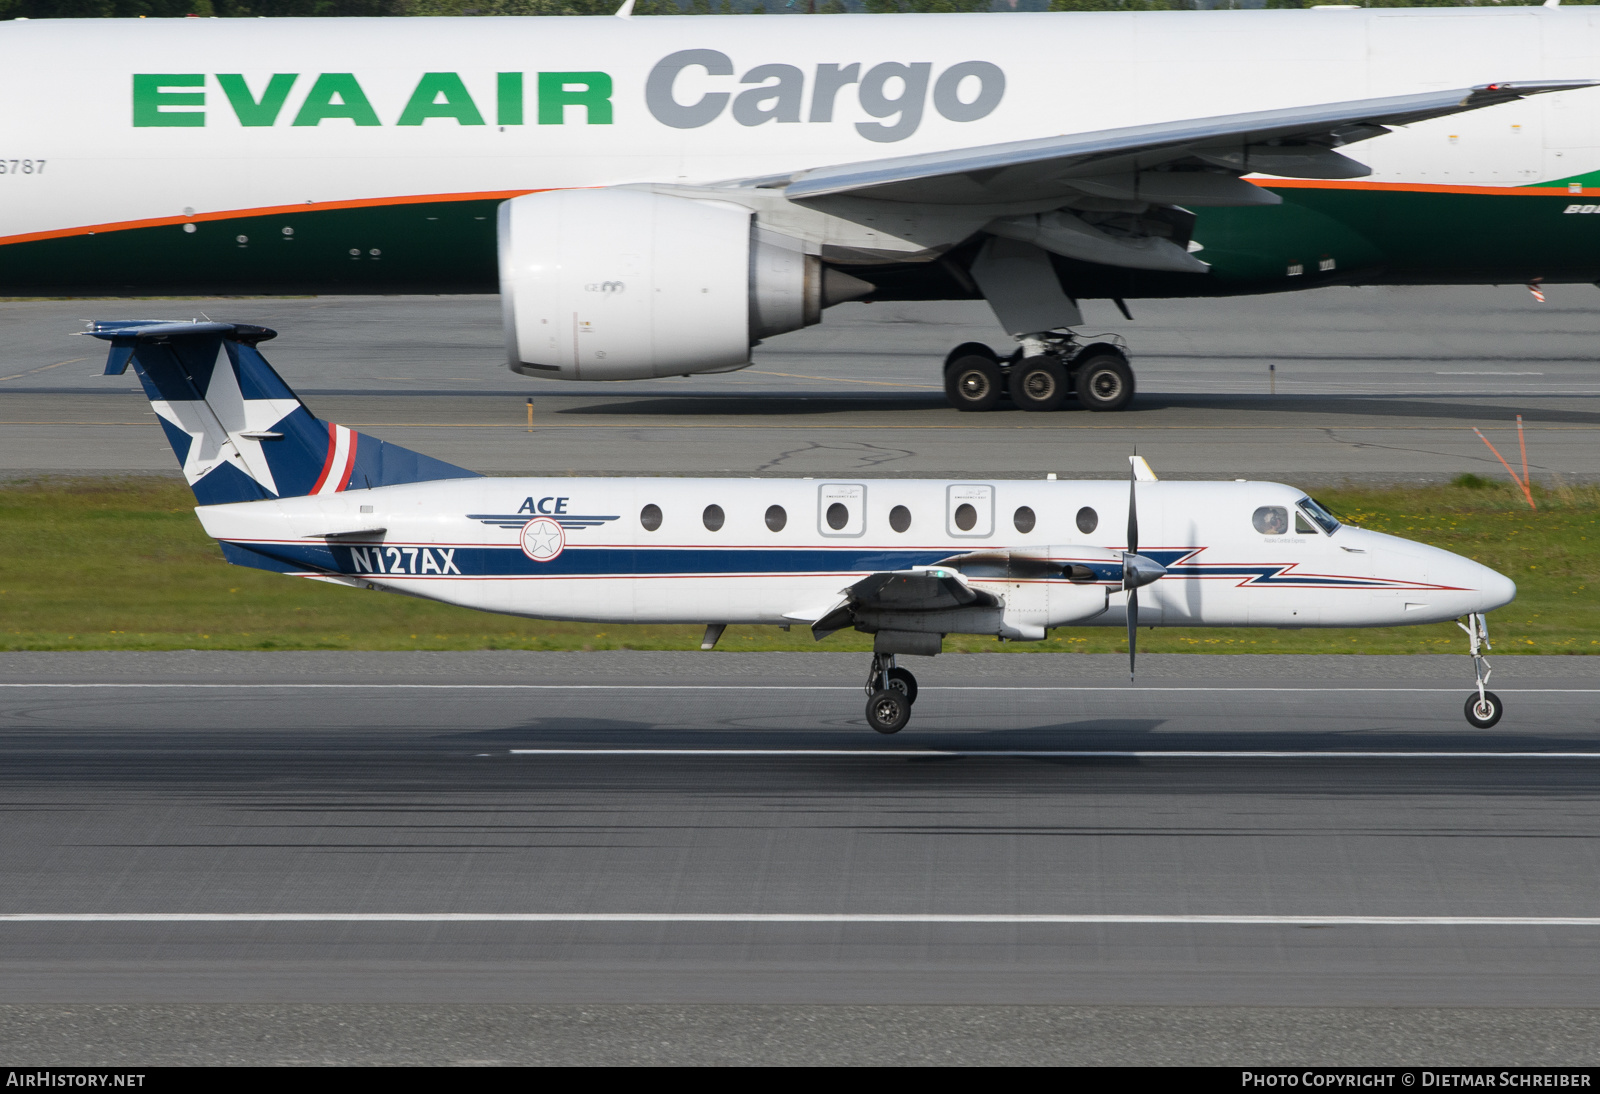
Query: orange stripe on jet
{"points": [[503, 195], [1414, 187], [264, 211]]}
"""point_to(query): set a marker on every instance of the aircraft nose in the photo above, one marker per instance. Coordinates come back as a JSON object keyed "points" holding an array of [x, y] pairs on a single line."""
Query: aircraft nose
{"points": [[1496, 589]]}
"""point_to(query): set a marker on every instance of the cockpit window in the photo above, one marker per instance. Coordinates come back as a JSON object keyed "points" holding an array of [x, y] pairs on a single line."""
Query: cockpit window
{"points": [[1330, 523], [1271, 520], [1303, 525]]}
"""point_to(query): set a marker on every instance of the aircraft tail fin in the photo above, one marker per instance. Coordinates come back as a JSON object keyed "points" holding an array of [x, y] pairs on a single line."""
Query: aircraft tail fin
{"points": [[237, 429]]}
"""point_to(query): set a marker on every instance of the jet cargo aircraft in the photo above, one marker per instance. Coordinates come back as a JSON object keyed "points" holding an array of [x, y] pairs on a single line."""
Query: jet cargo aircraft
{"points": [[654, 196], [906, 561]]}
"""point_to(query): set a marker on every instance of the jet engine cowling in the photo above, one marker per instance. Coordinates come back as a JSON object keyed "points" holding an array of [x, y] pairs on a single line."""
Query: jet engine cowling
{"points": [[621, 284]]}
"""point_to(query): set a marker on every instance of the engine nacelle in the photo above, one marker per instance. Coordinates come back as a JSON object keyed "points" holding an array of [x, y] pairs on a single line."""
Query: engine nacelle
{"points": [[628, 284]]}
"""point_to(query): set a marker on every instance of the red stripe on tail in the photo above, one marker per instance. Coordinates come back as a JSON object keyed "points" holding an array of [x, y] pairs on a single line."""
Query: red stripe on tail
{"points": [[327, 463]]}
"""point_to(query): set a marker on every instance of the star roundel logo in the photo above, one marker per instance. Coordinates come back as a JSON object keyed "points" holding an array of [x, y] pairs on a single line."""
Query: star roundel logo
{"points": [[542, 539]]}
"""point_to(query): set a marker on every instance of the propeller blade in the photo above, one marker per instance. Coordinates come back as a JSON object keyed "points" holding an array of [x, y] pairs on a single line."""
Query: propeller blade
{"points": [[1133, 629], [1133, 509]]}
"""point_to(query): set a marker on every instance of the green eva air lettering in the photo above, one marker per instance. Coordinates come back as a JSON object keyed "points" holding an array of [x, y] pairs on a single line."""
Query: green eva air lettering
{"points": [[152, 102], [352, 102], [440, 95], [250, 110], [508, 87], [559, 90]]}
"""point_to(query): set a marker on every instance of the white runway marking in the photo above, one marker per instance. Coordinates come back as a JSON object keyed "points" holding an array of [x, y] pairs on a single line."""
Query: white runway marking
{"points": [[808, 917], [787, 687], [1055, 754]]}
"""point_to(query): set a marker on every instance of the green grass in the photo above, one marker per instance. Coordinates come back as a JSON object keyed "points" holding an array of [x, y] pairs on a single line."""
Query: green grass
{"points": [[122, 564]]}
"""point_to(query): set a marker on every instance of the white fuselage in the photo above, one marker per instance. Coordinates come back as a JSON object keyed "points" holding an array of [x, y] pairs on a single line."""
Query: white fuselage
{"points": [[99, 153], [579, 549]]}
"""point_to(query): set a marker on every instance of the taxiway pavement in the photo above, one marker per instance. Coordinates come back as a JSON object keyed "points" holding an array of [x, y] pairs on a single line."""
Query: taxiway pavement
{"points": [[1366, 384], [723, 830]]}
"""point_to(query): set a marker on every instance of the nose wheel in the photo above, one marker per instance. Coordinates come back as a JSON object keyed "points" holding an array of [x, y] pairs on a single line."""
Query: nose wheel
{"points": [[1483, 706], [890, 692], [1484, 710]]}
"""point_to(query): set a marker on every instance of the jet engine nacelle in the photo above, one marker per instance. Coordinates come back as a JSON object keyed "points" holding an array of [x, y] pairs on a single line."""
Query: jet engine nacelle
{"points": [[628, 284]]}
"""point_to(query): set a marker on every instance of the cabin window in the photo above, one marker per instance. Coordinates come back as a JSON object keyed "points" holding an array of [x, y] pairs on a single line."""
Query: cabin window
{"points": [[776, 518], [712, 518], [1302, 525], [1088, 520], [969, 510], [900, 518], [841, 509], [1271, 520], [650, 517], [1023, 518]]}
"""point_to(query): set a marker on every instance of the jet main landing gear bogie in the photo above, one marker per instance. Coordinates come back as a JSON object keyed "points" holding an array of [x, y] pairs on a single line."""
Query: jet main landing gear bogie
{"points": [[1042, 375]]}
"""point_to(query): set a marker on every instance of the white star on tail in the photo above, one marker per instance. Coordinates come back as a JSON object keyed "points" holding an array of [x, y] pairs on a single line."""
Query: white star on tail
{"points": [[219, 427]]}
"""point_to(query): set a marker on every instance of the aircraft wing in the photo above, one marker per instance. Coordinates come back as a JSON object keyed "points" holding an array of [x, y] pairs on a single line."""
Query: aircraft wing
{"points": [[1165, 162], [904, 591]]}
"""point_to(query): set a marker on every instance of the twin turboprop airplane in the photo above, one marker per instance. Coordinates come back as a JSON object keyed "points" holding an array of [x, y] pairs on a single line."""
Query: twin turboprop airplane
{"points": [[906, 561], [653, 196]]}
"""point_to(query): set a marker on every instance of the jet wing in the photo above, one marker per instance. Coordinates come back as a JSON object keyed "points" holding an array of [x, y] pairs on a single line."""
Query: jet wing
{"points": [[903, 591], [1165, 162]]}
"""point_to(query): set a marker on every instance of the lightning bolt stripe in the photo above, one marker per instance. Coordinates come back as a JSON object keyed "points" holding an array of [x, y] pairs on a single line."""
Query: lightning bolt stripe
{"points": [[480, 561]]}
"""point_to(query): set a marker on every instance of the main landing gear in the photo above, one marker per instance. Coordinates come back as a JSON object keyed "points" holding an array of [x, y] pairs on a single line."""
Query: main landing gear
{"points": [[1483, 707], [890, 692], [1041, 374]]}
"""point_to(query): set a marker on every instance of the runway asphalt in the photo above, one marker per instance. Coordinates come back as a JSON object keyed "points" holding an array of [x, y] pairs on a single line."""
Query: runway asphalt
{"points": [[1376, 385], [659, 857]]}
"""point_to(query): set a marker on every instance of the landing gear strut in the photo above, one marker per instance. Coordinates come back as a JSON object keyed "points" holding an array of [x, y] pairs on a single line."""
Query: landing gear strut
{"points": [[1483, 707], [890, 692], [1041, 374]]}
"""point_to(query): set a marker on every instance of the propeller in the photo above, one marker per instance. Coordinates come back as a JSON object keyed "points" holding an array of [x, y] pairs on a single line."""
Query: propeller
{"points": [[1137, 571], [1129, 575]]}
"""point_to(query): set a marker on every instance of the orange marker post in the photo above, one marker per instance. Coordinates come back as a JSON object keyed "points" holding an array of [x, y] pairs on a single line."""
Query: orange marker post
{"points": [[1507, 466], [530, 414], [1523, 445]]}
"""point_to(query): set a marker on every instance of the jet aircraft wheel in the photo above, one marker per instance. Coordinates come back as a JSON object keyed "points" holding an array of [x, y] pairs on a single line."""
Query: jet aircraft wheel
{"points": [[1039, 383], [888, 710], [904, 681], [973, 383], [969, 349], [1485, 712], [1104, 381]]}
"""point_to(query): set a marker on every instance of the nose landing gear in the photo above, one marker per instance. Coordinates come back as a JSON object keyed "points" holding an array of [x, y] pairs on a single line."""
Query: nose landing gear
{"points": [[1484, 707], [890, 692]]}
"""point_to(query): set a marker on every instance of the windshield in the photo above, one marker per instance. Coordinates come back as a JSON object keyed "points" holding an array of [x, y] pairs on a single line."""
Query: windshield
{"points": [[1329, 522]]}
